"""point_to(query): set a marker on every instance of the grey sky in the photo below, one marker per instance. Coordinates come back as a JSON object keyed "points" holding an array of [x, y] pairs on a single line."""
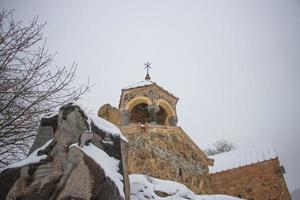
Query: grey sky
{"points": [[234, 64]]}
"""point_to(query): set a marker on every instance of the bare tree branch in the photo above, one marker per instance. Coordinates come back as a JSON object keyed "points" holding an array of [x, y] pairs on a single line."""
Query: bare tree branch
{"points": [[220, 146], [29, 85]]}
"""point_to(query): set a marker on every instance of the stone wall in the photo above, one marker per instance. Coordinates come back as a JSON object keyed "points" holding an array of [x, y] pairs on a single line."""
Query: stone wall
{"points": [[168, 153], [260, 181], [110, 113], [154, 92]]}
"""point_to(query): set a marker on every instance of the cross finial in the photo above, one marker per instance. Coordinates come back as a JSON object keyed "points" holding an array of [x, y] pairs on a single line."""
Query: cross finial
{"points": [[147, 66]]}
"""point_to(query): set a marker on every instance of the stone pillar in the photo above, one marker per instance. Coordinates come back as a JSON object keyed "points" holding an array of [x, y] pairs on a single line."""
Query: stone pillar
{"points": [[153, 109], [173, 120], [125, 117]]}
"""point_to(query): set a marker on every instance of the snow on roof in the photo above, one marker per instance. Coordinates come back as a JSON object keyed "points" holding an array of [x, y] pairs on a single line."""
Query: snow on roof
{"points": [[109, 164], [239, 158], [145, 187], [139, 84], [144, 83], [32, 158]]}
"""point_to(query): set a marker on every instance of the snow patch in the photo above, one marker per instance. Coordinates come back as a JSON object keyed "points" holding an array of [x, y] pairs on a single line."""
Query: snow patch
{"points": [[109, 164], [102, 124], [107, 127], [216, 197], [32, 158], [146, 187], [139, 84]]}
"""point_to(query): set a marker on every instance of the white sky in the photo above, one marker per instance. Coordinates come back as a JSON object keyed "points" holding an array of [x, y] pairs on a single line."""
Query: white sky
{"points": [[234, 64]]}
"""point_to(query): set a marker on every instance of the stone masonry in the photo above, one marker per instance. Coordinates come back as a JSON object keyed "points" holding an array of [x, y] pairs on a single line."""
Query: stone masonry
{"points": [[167, 153], [157, 146], [260, 181]]}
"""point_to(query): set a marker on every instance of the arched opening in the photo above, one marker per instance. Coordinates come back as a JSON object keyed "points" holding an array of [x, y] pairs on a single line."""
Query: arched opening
{"points": [[161, 116], [169, 111], [137, 100], [140, 113]]}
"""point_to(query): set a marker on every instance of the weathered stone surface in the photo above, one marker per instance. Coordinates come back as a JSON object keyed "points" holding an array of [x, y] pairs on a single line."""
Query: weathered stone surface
{"points": [[159, 103], [167, 153], [45, 133], [154, 92], [260, 181], [110, 113], [7, 179], [66, 172]]}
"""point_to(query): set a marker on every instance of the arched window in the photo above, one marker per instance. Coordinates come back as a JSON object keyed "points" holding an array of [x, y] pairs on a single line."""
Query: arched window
{"points": [[139, 113]]}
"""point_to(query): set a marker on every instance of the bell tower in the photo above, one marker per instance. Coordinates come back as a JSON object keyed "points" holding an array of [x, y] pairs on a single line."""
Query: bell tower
{"points": [[147, 102], [157, 146]]}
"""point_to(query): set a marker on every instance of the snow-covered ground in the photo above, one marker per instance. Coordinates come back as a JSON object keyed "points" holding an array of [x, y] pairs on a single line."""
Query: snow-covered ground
{"points": [[147, 188]]}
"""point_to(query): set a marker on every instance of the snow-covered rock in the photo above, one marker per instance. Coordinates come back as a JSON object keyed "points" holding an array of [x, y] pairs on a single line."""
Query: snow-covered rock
{"points": [[107, 127], [64, 169], [109, 164], [32, 158], [145, 187]]}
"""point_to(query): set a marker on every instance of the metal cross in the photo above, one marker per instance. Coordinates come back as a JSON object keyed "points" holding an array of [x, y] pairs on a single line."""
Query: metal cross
{"points": [[147, 64], [147, 67]]}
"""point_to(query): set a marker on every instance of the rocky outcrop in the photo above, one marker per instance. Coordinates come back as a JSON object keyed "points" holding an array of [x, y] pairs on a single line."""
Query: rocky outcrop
{"points": [[82, 161]]}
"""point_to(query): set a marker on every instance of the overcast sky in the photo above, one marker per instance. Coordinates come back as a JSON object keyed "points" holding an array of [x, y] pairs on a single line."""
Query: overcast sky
{"points": [[234, 64]]}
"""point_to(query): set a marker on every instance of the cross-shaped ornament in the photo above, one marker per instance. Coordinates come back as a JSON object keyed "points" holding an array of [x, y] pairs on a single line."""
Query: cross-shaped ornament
{"points": [[147, 66]]}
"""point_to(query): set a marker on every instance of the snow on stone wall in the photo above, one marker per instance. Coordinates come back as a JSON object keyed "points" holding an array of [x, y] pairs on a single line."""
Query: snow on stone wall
{"points": [[148, 188]]}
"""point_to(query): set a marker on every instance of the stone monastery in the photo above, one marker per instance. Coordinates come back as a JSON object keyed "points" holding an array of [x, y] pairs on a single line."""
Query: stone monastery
{"points": [[158, 147], [136, 152]]}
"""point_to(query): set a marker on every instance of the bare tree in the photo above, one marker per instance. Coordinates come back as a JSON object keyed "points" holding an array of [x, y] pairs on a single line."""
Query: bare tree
{"points": [[220, 146], [29, 85]]}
